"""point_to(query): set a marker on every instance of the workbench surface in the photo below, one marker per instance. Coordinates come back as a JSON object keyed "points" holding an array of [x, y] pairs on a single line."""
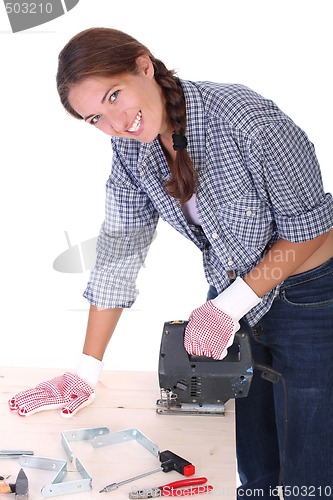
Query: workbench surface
{"points": [[124, 400]]}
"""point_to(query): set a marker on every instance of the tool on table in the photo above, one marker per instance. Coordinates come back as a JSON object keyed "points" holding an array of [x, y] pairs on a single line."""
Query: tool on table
{"points": [[172, 489], [6, 488], [14, 453], [199, 385], [20, 488], [169, 461]]}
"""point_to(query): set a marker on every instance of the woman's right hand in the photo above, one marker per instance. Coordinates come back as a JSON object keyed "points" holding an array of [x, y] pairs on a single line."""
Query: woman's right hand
{"points": [[70, 392]]}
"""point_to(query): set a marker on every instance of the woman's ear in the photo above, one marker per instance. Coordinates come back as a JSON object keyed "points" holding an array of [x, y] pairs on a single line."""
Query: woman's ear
{"points": [[144, 64]]}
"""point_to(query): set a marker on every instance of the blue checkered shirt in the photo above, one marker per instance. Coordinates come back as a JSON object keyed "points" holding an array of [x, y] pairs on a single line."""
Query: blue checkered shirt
{"points": [[258, 181]]}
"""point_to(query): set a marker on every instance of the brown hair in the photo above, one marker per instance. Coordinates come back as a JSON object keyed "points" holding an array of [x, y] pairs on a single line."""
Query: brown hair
{"points": [[108, 52]]}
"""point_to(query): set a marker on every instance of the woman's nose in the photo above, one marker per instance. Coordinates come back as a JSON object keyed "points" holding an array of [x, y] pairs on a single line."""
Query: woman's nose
{"points": [[116, 122]]}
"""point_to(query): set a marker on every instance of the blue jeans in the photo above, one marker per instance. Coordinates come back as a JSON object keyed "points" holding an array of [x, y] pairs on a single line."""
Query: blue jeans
{"points": [[296, 338]]}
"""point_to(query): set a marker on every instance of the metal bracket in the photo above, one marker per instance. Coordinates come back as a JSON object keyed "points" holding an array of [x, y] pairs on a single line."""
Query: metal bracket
{"points": [[80, 435], [100, 436], [126, 435], [57, 487]]}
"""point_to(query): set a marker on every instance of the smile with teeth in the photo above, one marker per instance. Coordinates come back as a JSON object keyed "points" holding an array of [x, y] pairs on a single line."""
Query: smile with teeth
{"points": [[136, 124]]}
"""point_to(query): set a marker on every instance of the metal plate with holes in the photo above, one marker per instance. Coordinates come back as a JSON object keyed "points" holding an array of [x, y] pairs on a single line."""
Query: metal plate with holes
{"points": [[58, 487], [80, 435], [123, 436]]}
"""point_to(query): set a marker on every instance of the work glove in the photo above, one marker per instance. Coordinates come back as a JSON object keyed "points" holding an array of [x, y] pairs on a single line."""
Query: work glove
{"points": [[211, 328], [70, 391]]}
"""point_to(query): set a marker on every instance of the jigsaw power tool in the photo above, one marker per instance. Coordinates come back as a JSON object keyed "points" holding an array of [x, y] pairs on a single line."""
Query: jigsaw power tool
{"points": [[198, 385]]}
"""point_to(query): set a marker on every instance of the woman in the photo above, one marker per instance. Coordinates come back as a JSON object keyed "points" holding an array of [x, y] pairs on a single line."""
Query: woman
{"points": [[231, 172]]}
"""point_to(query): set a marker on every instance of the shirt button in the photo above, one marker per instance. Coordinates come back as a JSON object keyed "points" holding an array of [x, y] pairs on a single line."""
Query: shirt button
{"points": [[230, 262], [248, 213], [215, 235]]}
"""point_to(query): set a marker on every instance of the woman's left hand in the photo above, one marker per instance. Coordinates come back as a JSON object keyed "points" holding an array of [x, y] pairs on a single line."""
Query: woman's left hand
{"points": [[211, 328], [209, 332]]}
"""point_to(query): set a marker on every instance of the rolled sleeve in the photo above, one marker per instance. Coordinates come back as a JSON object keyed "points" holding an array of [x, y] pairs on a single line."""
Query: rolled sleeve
{"points": [[288, 177], [308, 225]]}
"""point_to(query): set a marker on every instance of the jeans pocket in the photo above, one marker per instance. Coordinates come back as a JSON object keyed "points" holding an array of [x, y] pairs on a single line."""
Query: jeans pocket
{"points": [[311, 291]]}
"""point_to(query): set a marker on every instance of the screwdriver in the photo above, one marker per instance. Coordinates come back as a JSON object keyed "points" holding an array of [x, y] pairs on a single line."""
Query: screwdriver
{"points": [[114, 486], [169, 461]]}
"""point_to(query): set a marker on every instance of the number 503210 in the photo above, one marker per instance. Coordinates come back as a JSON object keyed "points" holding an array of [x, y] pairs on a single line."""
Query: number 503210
{"points": [[28, 8]]}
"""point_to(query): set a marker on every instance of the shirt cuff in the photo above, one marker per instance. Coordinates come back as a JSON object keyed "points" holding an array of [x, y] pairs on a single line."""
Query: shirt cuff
{"points": [[306, 226]]}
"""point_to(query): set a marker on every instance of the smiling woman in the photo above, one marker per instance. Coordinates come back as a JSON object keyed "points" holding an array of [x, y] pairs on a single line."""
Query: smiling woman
{"points": [[127, 105], [113, 81], [232, 173]]}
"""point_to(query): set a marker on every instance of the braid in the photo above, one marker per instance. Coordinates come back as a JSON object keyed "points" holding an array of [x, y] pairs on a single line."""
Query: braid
{"points": [[183, 180]]}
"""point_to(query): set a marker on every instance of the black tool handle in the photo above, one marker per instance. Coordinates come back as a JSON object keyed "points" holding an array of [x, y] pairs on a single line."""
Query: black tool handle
{"points": [[171, 461]]}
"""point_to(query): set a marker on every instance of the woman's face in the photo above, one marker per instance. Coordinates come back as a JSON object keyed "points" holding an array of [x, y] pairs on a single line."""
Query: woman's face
{"points": [[128, 105]]}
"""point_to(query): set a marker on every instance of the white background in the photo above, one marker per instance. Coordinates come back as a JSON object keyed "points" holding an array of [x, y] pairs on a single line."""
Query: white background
{"points": [[54, 168]]}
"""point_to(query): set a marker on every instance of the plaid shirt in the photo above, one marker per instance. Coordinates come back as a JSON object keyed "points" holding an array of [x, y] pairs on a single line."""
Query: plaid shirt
{"points": [[258, 181]]}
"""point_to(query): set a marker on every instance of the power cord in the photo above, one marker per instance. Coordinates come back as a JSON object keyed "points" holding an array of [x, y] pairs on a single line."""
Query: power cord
{"points": [[268, 373]]}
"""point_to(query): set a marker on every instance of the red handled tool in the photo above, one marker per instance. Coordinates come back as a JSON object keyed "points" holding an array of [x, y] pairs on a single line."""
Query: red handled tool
{"points": [[172, 489]]}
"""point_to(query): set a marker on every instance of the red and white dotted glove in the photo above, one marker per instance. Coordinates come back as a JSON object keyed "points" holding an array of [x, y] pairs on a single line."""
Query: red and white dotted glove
{"points": [[211, 328], [70, 391]]}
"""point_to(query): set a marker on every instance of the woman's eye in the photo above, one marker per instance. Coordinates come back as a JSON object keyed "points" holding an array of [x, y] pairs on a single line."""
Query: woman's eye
{"points": [[114, 96], [95, 120]]}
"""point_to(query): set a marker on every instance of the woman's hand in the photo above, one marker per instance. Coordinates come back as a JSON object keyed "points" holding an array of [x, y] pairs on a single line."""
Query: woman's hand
{"points": [[209, 332], [70, 392], [211, 328]]}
